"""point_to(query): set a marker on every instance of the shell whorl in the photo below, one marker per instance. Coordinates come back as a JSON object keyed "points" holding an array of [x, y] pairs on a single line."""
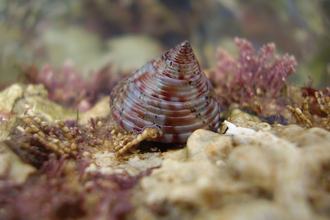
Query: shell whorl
{"points": [[170, 92]]}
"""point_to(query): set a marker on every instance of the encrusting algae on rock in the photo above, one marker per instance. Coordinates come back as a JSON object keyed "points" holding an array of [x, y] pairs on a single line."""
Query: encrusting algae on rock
{"points": [[260, 164]]}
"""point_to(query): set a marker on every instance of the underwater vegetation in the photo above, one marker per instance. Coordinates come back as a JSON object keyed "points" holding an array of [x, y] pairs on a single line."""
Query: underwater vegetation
{"points": [[60, 84], [253, 81], [251, 76]]}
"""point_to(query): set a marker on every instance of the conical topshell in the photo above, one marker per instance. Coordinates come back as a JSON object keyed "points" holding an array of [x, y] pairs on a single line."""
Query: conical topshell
{"points": [[170, 92]]}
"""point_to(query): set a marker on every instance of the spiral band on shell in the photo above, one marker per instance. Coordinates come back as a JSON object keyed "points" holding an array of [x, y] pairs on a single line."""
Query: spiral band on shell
{"points": [[171, 93]]}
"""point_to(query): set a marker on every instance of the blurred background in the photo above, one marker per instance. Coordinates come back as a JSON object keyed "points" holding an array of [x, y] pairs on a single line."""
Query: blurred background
{"points": [[92, 34]]}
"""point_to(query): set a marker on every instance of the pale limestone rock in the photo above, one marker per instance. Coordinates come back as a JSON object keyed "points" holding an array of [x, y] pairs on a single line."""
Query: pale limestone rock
{"points": [[261, 173], [38, 90], [263, 126], [305, 138], [180, 182], [255, 171], [106, 163], [177, 154], [9, 96], [257, 210], [239, 117], [232, 165], [207, 143], [14, 98], [290, 192], [12, 168]]}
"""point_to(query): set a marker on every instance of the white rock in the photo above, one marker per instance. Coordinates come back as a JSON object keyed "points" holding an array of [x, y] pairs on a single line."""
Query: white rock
{"points": [[13, 167]]}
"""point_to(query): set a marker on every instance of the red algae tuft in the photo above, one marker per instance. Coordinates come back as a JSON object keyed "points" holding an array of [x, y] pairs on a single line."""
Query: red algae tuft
{"points": [[249, 76], [67, 86]]}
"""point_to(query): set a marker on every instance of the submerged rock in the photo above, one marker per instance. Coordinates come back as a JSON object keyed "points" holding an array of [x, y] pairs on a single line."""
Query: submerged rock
{"points": [[12, 168], [253, 171], [13, 99], [224, 173], [105, 162]]}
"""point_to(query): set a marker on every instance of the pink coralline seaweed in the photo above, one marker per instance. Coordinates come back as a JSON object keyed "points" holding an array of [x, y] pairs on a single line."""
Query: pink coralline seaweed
{"points": [[249, 76], [59, 191], [68, 87]]}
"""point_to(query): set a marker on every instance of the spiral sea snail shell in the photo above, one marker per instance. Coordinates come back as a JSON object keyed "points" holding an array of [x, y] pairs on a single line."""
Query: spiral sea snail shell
{"points": [[170, 93]]}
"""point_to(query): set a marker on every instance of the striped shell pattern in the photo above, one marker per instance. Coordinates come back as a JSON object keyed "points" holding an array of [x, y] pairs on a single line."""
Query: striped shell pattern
{"points": [[170, 92]]}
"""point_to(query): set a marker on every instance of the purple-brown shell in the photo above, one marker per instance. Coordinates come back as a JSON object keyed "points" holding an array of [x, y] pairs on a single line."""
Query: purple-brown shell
{"points": [[170, 92]]}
